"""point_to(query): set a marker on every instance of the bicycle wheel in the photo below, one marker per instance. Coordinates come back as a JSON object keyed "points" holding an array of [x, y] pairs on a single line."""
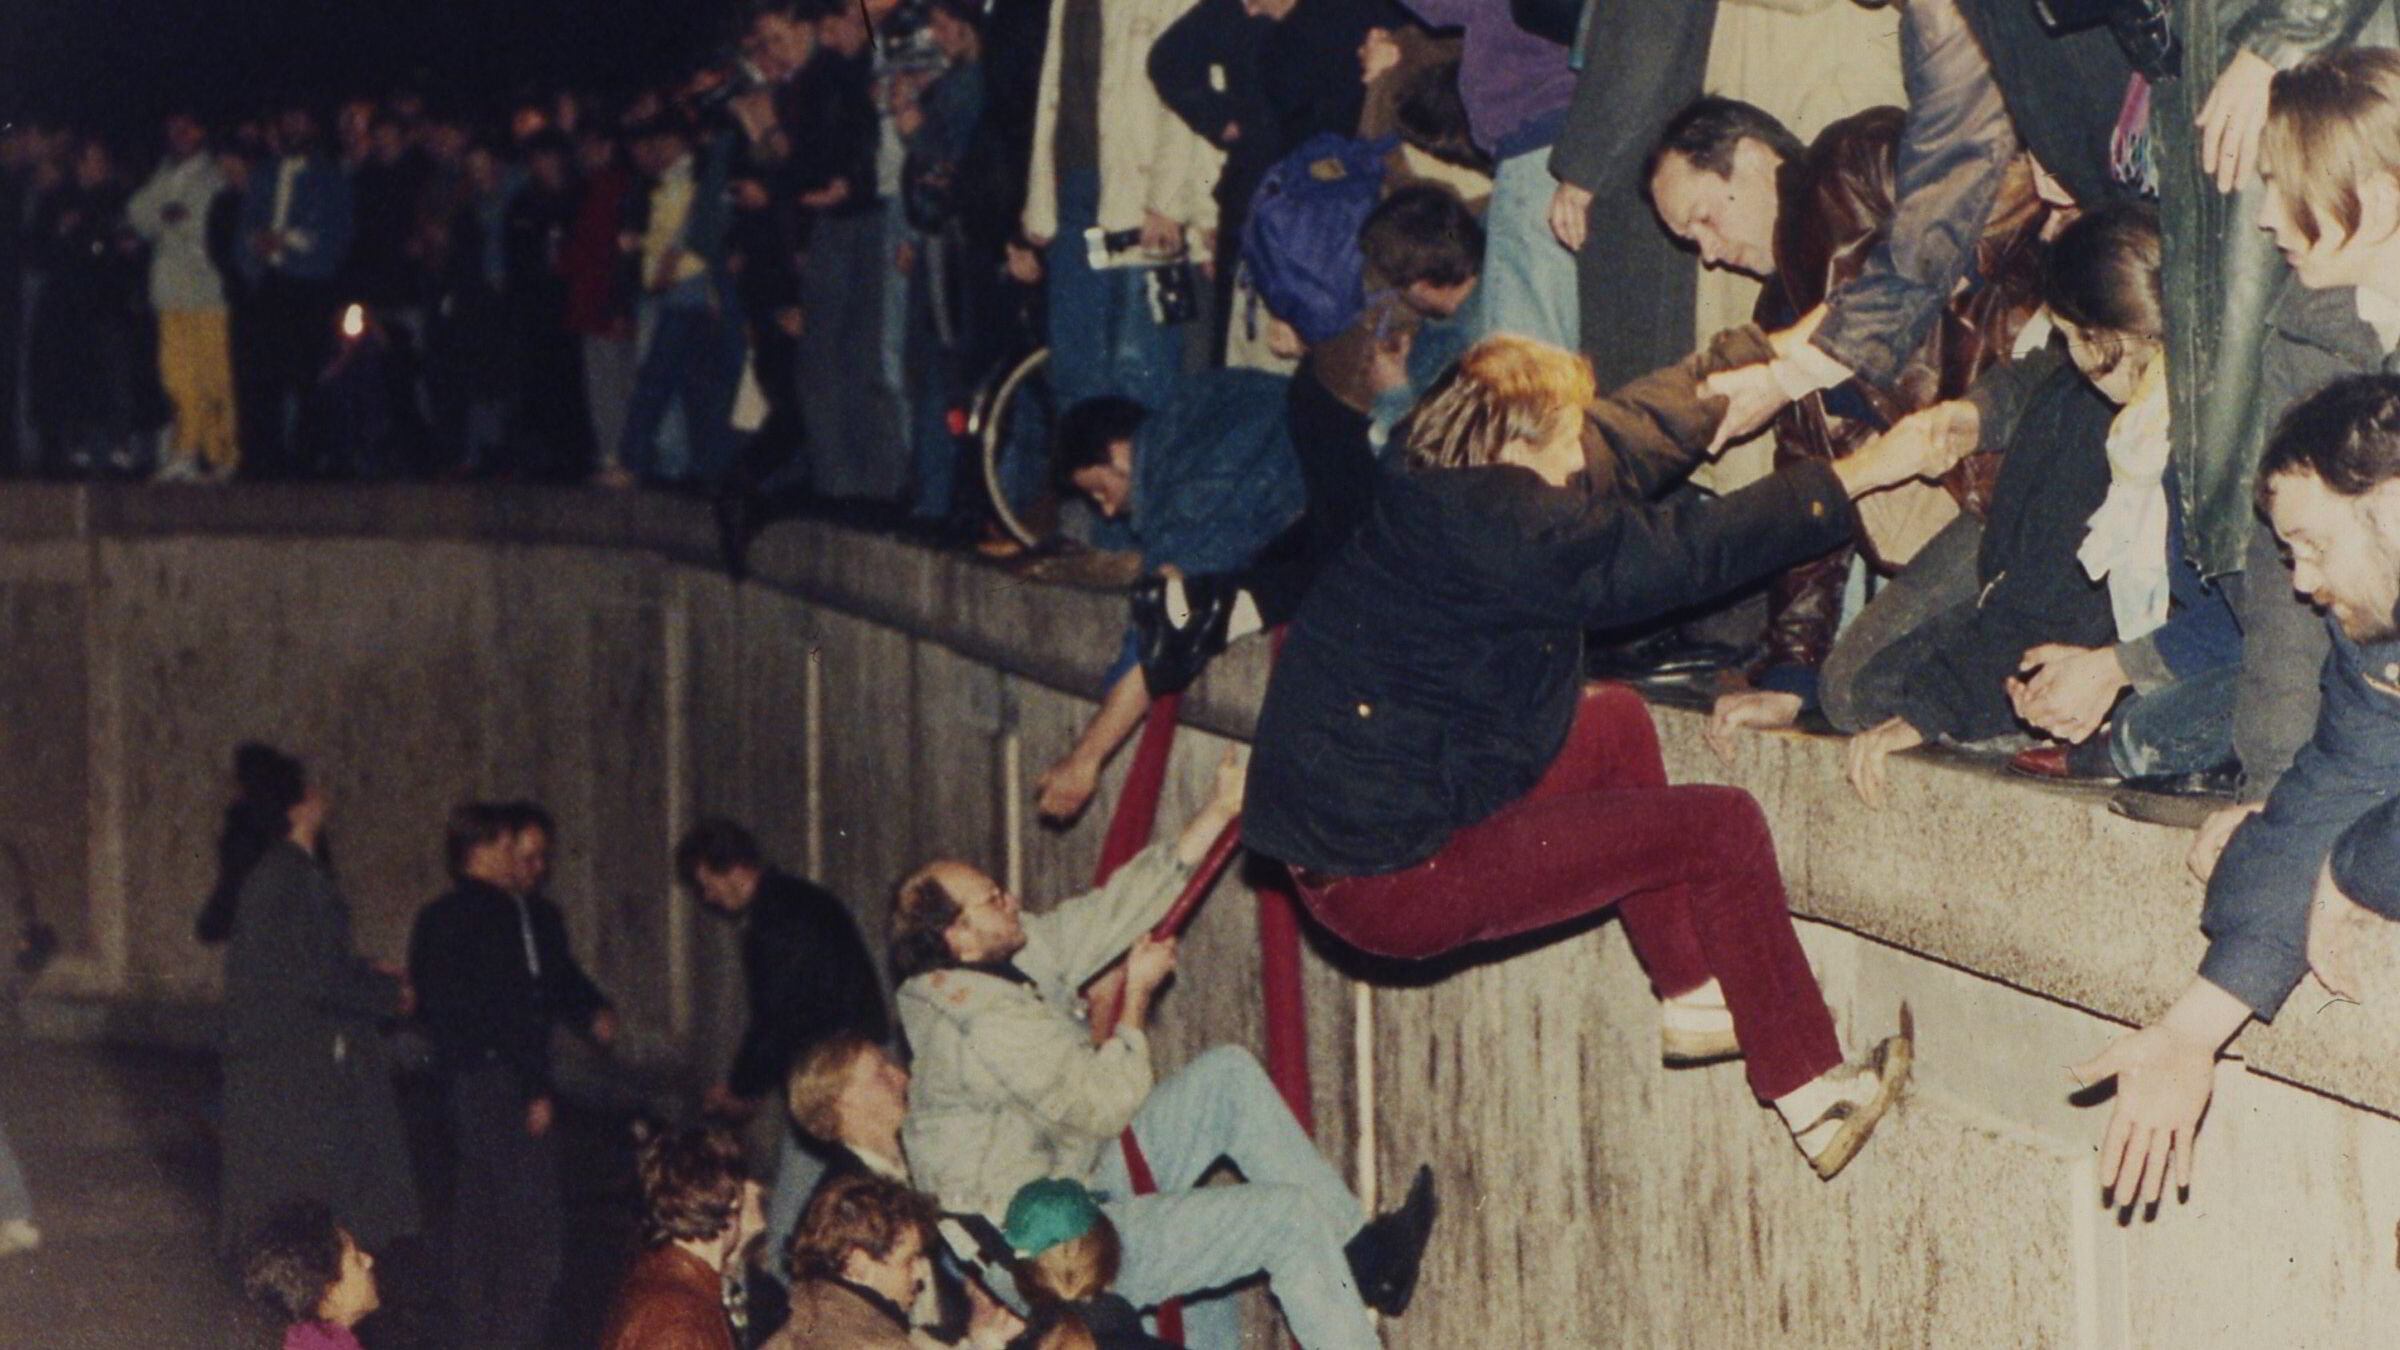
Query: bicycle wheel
{"points": [[1011, 427]]}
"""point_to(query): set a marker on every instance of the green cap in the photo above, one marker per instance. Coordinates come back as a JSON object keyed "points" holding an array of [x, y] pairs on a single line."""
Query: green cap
{"points": [[1048, 1212]]}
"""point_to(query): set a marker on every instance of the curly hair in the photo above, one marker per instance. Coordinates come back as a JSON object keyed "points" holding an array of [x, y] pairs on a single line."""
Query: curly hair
{"points": [[856, 1213], [294, 1260], [691, 1185]]}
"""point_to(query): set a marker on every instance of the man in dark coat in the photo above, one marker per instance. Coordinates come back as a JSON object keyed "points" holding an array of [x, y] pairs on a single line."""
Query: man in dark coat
{"points": [[494, 974], [808, 975]]}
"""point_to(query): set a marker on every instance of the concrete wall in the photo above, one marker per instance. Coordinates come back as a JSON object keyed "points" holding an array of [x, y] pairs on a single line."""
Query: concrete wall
{"points": [[867, 705]]}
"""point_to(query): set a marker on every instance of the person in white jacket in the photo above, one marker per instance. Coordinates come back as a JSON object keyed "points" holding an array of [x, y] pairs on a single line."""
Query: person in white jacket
{"points": [[1008, 1087], [1108, 153], [170, 213]]}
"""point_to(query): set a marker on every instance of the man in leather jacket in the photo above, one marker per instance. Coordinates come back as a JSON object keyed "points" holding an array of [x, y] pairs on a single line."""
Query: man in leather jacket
{"points": [[1734, 182]]}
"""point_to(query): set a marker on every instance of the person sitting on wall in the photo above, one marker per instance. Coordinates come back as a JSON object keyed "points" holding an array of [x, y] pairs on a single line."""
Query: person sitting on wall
{"points": [[312, 1276], [700, 1210], [1807, 220], [1433, 769], [2330, 485], [848, 1094], [808, 976], [1009, 1088], [1205, 483]]}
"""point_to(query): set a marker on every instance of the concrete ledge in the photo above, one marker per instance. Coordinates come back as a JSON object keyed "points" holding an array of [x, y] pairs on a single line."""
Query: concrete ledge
{"points": [[2038, 888]]}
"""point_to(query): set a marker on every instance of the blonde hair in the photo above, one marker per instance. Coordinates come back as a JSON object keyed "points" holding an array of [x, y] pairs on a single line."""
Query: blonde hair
{"points": [[2333, 123], [814, 1091], [1506, 388], [1075, 1271]]}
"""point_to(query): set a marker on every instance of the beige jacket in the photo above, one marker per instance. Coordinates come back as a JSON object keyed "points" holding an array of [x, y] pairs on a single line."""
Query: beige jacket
{"points": [[1007, 1086], [1149, 160]]}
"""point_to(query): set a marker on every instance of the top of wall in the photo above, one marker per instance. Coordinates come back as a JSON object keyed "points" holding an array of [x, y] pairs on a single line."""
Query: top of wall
{"points": [[2039, 888]]}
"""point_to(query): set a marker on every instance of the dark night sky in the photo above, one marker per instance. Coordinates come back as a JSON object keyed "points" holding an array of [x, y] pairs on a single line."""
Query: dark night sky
{"points": [[122, 62]]}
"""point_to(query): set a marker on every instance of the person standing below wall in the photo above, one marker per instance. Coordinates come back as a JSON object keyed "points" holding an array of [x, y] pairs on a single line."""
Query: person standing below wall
{"points": [[494, 970], [808, 976], [1517, 87], [309, 1110], [195, 364]]}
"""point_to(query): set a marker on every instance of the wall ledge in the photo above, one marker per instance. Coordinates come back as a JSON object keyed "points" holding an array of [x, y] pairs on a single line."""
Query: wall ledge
{"points": [[2038, 888]]}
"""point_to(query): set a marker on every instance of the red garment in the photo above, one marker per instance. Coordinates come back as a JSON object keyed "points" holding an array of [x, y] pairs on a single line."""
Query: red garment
{"points": [[590, 259], [1690, 869], [319, 1336]]}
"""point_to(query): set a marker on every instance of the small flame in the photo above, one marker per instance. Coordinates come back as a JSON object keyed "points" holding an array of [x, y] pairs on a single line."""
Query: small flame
{"points": [[354, 321]]}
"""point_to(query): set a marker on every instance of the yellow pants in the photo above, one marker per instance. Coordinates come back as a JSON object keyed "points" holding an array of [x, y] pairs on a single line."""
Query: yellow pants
{"points": [[195, 367]]}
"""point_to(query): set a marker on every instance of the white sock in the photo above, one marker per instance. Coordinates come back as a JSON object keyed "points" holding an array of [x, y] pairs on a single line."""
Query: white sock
{"points": [[1803, 1105], [1179, 606], [1245, 618], [1701, 1009]]}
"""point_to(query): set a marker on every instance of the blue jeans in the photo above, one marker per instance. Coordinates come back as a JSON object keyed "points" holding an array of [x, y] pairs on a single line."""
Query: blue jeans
{"points": [[797, 1172], [16, 1202], [1289, 1220], [1528, 276], [693, 360], [1102, 338], [2184, 727]]}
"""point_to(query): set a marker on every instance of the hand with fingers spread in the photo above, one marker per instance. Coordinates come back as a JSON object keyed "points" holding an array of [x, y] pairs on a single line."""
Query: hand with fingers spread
{"points": [[1747, 710], [2209, 841], [1752, 398], [2233, 119], [2067, 691], [2339, 928], [2165, 1075], [1868, 751]]}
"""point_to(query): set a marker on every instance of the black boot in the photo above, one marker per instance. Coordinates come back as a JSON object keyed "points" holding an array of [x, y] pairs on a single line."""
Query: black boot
{"points": [[1386, 1254]]}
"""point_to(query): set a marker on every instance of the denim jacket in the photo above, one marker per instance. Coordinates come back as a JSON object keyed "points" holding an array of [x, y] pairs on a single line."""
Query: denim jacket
{"points": [[2256, 917]]}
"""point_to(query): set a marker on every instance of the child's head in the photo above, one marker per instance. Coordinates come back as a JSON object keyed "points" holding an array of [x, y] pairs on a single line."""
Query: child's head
{"points": [[304, 1267], [1067, 1249]]}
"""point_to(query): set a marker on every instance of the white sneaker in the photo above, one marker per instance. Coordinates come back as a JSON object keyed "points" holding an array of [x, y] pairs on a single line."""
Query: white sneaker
{"points": [[18, 1235], [179, 469]]}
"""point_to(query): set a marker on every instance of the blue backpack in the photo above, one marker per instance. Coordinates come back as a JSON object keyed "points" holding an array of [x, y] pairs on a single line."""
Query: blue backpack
{"points": [[1300, 242]]}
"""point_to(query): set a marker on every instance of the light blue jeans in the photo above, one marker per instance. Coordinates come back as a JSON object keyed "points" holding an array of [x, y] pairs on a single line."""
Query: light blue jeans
{"points": [[1289, 1220], [1528, 276], [15, 1201]]}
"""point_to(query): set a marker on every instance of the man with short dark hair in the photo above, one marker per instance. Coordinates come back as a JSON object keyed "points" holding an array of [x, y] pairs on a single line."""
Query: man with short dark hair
{"points": [[1205, 484], [1732, 181], [1009, 1088], [808, 976], [2330, 485], [494, 974], [858, 1263]]}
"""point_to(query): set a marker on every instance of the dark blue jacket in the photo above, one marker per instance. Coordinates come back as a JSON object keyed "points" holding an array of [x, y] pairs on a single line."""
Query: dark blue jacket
{"points": [[2256, 917], [1214, 474], [319, 214]]}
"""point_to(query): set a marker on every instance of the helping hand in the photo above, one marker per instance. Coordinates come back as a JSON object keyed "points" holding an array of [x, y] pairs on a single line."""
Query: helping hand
{"points": [[2164, 1080], [1064, 789], [2209, 841], [1747, 709], [1752, 398], [1868, 751]]}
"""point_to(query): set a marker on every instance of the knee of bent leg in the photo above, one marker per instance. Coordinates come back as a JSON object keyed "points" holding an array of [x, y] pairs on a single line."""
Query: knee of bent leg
{"points": [[1231, 1066]]}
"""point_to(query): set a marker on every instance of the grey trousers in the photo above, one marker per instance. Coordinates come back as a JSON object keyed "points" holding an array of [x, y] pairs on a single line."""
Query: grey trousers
{"points": [[1939, 579]]}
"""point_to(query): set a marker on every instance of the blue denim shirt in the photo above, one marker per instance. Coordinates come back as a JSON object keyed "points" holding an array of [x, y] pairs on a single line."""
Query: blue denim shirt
{"points": [[2256, 916], [1214, 475]]}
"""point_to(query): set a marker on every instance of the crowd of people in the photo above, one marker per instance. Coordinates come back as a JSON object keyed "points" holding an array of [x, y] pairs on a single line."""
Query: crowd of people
{"points": [[1370, 319]]}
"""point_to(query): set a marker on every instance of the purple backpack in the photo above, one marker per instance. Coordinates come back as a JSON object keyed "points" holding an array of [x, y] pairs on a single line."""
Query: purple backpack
{"points": [[1300, 242]]}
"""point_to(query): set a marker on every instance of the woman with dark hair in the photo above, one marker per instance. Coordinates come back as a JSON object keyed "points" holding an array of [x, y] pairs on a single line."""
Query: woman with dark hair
{"points": [[312, 1276], [268, 784], [2163, 692], [1433, 769], [2030, 633], [700, 1210], [309, 1111]]}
